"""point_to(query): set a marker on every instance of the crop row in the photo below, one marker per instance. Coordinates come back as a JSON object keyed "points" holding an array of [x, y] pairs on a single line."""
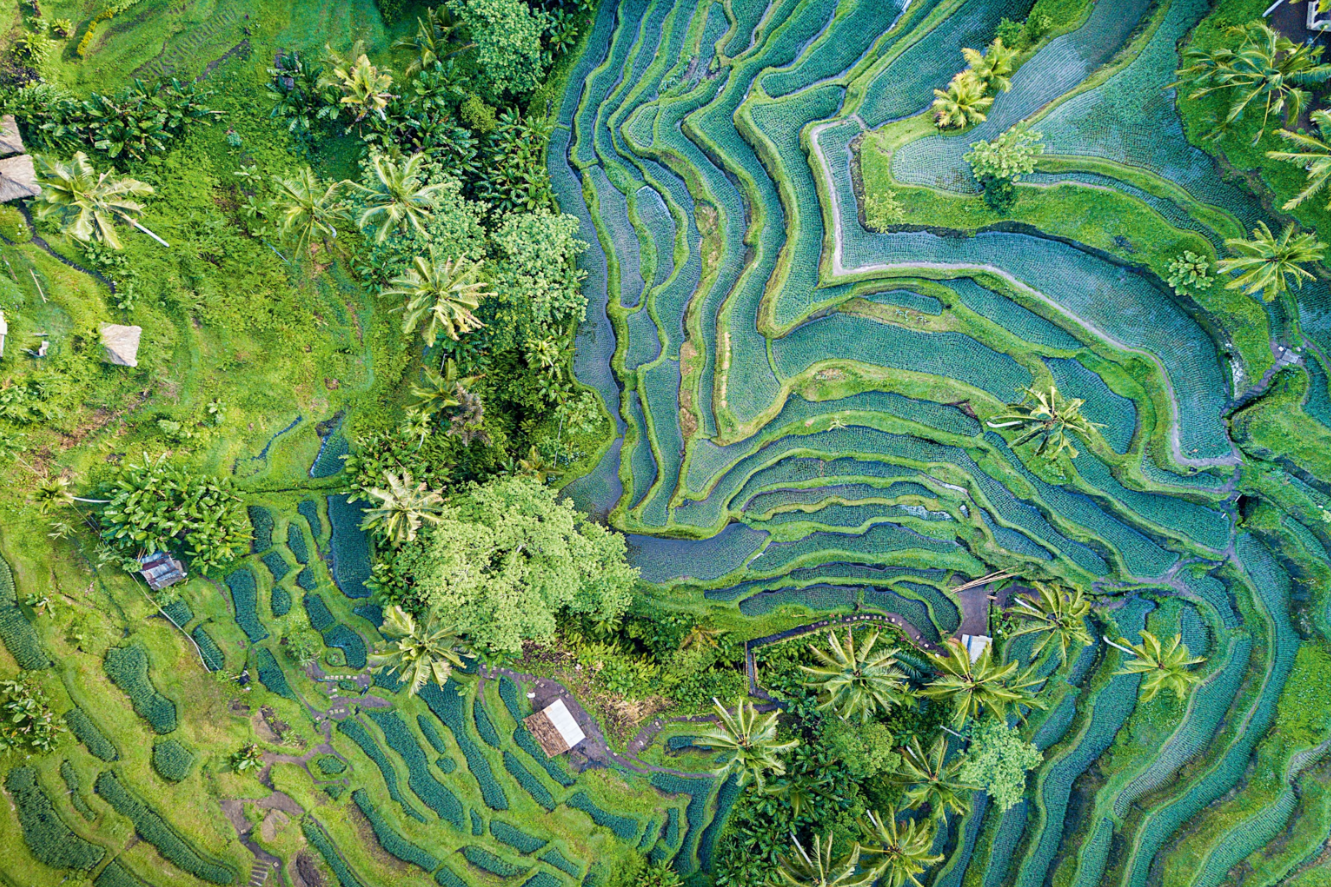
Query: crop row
{"points": [[390, 839], [127, 667], [356, 732], [450, 707], [15, 630], [434, 794], [48, 838], [152, 828]]}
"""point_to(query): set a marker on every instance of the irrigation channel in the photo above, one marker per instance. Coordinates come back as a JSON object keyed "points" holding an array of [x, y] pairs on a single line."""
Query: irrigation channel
{"points": [[799, 399]]}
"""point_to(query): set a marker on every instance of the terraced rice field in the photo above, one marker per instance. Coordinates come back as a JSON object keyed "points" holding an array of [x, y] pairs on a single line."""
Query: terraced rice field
{"points": [[801, 400]]}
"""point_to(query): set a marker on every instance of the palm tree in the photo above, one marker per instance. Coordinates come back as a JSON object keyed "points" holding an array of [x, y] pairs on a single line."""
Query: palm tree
{"points": [[855, 683], [1057, 613], [963, 104], [1266, 69], [1166, 666], [401, 509], [432, 42], [982, 684], [932, 779], [534, 465], [308, 209], [1048, 417], [445, 292], [819, 869], [1267, 263], [1315, 156], [397, 196], [85, 202], [749, 742], [993, 67], [363, 86], [899, 852], [422, 651]]}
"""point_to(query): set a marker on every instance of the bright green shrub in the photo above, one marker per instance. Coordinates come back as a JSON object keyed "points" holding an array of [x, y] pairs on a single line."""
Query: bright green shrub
{"points": [[487, 862], [13, 227], [625, 829], [212, 654], [335, 791], [525, 741], [449, 707], [153, 829], [75, 787], [15, 630], [356, 732], [172, 761], [179, 612], [530, 784], [127, 667], [271, 674], [280, 602], [47, 836], [277, 565], [88, 733], [296, 542], [516, 837], [435, 795], [319, 840], [389, 839], [262, 521], [330, 765], [245, 596]]}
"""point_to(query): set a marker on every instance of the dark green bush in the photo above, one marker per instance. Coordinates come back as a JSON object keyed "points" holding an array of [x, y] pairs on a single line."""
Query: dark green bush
{"points": [[350, 547], [350, 643], [389, 838], [450, 708], [296, 542], [356, 732], [92, 738], [477, 824], [277, 565], [431, 734], [530, 784], [437, 796], [280, 602], [15, 630], [127, 667], [523, 739], [445, 878], [245, 596], [117, 875], [556, 859], [307, 580], [179, 612], [212, 654], [335, 791], [330, 765], [172, 761], [310, 511], [625, 829], [75, 787], [271, 674], [47, 836], [321, 618], [487, 862], [262, 521], [318, 838], [485, 728], [516, 837], [511, 694], [153, 829]]}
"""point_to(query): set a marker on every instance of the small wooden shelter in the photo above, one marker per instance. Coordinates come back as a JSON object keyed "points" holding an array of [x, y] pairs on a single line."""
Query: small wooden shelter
{"points": [[121, 344], [160, 570], [555, 728], [18, 177]]}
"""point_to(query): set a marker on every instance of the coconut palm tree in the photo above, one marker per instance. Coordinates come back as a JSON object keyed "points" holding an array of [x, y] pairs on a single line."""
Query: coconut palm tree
{"points": [[87, 203], [1314, 156], [993, 67], [852, 682], [1166, 666], [444, 292], [896, 852], [1059, 614], [1266, 70], [749, 741], [432, 41], [308, 208], [1266, 264], [972, 687], [964, 103], [363, 86], [396, 196], [1046, 416], [421, 651], [932, 779], [819, 869], [401, 508]]}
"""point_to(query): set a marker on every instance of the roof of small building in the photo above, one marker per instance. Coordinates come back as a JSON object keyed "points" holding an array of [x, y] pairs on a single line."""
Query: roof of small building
{"points": [[160, 570], [10, 140], [18, 178], [976, 644], [121, 344], [555, 728]]}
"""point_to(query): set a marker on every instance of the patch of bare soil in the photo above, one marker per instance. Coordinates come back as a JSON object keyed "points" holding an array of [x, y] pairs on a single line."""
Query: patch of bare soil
{"points": [[307, 870]]}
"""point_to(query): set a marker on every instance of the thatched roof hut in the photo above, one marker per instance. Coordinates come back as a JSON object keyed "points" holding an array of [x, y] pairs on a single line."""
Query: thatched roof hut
{"points": [[554, 728], [18, 178], [10, 140], [121, 344]]}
